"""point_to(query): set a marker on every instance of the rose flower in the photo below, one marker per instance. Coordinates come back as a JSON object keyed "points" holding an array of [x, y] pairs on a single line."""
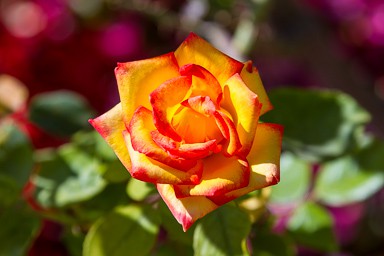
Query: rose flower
{"points": [[188, 121]]}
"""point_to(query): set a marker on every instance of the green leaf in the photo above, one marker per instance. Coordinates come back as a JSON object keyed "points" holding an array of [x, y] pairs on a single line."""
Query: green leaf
{"points": [[173, 229], [67, 176], [116, 172], [9, 192], [311, 225], [129, 230], [371, 158], [16, 155], [295, 175], [222, 232], [19, 227], [94, 144], [317, 124], [52, 172], [99, 205], [73, 239], [138, 190], [177, 241], [60, 113], [16, 162], [267, 243], [171, 248], [85, 180], [346, 180]]}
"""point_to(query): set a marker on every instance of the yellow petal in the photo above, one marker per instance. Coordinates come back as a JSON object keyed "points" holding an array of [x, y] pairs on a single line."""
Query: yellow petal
{"points": [[195, 50], [203, 82], [251, 78], [244, 107], [264, 160], [165, 101], [185, 210], [137, 79], [220, 175], [110, 125], [228, 130], [141, 126], [147, 169]]}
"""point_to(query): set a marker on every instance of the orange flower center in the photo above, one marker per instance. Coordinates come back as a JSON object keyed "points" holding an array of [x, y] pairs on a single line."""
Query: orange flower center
{"points": [[195, 127]]}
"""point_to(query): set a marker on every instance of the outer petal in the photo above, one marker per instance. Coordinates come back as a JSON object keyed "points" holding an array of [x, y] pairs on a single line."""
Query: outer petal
{"points": [[141, 126], [195, 50], [251, 78], [146, 169], [137, 79], [244, 107], [110, 125], [220, 175], [165, 101], [264, 160], [185, 210]]}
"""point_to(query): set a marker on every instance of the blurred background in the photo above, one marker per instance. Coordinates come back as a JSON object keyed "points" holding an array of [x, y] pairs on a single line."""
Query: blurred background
{"points": [[306, 45]]}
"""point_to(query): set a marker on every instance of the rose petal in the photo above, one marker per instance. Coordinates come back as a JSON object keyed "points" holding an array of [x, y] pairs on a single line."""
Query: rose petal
{"points": [[201, 104], [203, 82], [149, 170], [185, 151], [195, 50], [228, 130], [251, 78], [264, 160], [110, 125], [195, 122], [244, 107], [186, 210], [220, 175], [165, 102], [137, 79], [141, 126]]}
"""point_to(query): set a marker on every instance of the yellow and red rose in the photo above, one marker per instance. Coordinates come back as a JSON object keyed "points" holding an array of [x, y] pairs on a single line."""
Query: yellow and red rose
{"points": [[188, 121]]}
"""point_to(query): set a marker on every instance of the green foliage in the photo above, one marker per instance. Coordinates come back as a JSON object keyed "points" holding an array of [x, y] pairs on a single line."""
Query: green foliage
{"points": [[350, 179], [311, 226], [370, 158], [79, 179], [66, 176], [139, 190], [74, 239], [19, 225], [267, 243], [318, 125], [172, 227], [84, 181], [83, 186], [294, 182], [16, 155], [60, 113], [93, 144], [129, 230], [177, 241], [94, 208], [173, 249], [222, 232]]}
